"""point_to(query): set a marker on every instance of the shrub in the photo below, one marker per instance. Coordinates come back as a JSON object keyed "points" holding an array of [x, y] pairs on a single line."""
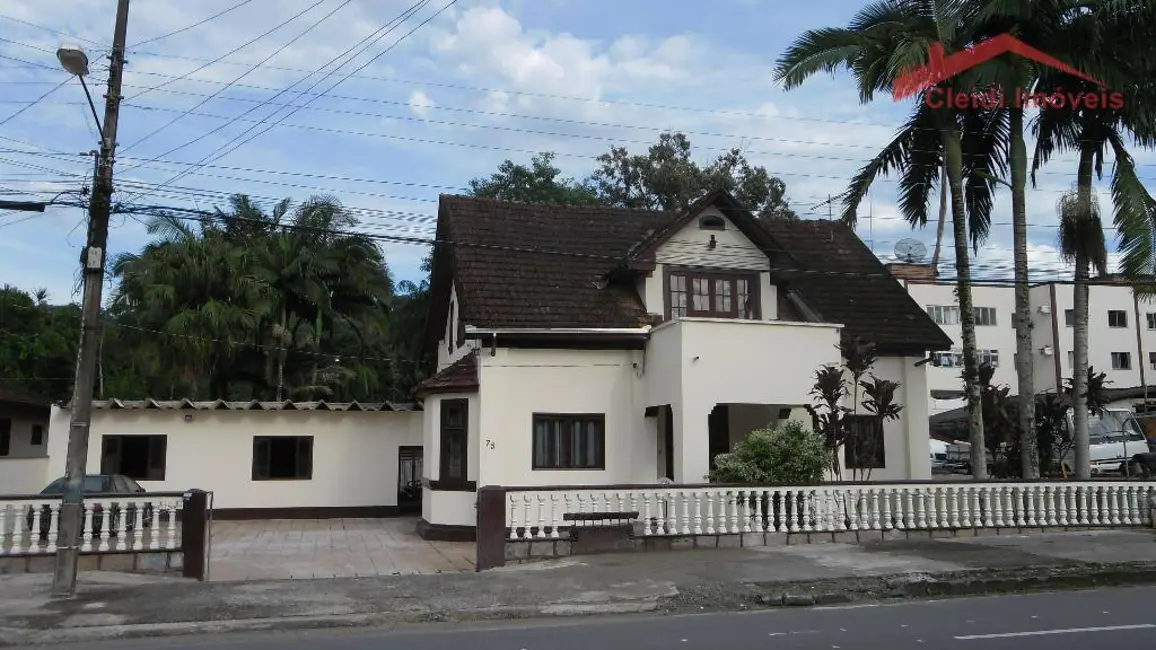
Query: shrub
{"points": [[788, 455]]}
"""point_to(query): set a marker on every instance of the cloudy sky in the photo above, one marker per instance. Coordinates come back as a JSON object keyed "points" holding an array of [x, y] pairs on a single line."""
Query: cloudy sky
{"points": [[361, 100]]}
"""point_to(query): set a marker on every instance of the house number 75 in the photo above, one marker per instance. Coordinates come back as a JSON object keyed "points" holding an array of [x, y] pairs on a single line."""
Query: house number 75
{"points": [[489, 444]]}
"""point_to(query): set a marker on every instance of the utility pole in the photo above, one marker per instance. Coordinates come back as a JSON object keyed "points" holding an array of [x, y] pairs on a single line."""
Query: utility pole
{"points": [[92, 261]]}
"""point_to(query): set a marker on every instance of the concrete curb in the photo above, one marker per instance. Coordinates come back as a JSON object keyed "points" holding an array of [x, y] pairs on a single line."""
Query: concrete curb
{"points": [[720, 597], [958, 584]]}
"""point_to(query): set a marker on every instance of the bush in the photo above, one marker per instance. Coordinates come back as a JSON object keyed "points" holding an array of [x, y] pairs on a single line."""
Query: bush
{"points": [[788, 455]]}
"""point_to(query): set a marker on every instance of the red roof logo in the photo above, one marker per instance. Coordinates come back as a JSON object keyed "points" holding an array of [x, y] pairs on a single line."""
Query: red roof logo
{"points": [[940, 68]]}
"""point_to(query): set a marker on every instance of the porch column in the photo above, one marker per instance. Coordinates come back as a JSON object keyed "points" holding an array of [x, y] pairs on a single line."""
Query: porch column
{"points": [[915, 418], [691, 442]]}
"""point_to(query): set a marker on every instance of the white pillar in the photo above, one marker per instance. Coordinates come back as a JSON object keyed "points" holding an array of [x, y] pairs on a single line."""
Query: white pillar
{"points": [[915, 418]]}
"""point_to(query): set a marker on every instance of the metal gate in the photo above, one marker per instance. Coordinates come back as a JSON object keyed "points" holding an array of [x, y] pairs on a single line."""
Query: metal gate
{"points": [[409, 470]]}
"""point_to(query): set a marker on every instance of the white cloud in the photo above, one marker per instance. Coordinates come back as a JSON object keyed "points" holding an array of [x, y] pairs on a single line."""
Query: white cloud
{"points": [[420, 103]]}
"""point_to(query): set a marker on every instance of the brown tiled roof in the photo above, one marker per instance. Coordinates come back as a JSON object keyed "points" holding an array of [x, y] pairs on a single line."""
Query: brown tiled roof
{"points": [[458, 377], [845, 283], [503, 283], [14, 395], [543, 266]]}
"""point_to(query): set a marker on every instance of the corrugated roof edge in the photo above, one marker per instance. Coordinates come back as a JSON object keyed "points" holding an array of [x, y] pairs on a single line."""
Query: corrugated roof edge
{"points": [[253, 405]]}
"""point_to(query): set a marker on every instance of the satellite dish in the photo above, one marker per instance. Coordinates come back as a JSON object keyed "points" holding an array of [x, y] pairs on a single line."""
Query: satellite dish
{"points": [[911, 251]]}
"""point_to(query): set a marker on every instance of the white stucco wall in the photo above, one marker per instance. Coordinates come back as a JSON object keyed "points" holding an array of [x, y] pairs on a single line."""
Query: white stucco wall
{"points": [[518, 383], [906, 439], [24, 469], [355, 454], [447, 354], [453, 508]]}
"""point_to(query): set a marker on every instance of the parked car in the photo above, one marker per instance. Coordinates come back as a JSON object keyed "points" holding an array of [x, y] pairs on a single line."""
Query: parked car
{"points": [[1114, 438], [110, 484]]}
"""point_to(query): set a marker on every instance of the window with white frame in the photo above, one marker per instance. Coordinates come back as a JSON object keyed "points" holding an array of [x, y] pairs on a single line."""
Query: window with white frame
{"points": [[1071, 359], [1152, 360], [1121, 361], [1151, 321], [1069, 317], [1117, 318], [985, 316], [954, 358], [944, 314], [988, 357]]}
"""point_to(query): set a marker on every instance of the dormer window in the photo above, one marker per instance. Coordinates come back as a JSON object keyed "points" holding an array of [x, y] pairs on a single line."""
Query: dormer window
{"points": [[712, 294], [711, 222]]}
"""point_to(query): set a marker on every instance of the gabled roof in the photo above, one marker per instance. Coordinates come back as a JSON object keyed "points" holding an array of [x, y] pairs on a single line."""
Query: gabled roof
{"points": [[549, 266], [458, 377], [841, 280]]}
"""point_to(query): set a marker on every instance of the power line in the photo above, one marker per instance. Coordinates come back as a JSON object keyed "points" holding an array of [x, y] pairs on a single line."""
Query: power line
{"points": [[34, 102], [247, 73], [50, 30], [195, 25], [254, 108]]}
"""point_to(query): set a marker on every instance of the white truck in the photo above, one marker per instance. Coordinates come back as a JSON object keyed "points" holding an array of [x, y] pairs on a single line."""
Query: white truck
{"points": [[1114, 437]]}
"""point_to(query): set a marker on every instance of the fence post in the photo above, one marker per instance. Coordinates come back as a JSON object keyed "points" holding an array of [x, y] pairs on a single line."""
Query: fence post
{"points": [[491, 528], [194, 533]]}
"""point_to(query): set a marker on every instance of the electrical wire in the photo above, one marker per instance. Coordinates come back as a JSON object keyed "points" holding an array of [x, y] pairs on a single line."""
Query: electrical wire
{"points": [[50, 30], [247, 73], [34, 102], [376, 36], [195, 25]]}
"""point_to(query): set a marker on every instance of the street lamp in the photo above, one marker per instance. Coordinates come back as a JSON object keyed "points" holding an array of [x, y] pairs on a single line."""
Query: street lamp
{"points": [[75, 62]]}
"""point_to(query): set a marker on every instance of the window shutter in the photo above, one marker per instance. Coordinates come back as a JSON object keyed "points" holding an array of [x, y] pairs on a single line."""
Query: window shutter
{"points": [[304, 457], [260, 458], [110, 455], [158, 446]]}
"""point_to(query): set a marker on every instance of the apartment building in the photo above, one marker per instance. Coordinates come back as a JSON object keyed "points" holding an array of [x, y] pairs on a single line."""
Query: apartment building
{"points": [[1121, 333]]}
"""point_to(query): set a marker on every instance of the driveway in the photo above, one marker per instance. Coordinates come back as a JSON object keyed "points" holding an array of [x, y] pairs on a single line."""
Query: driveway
{"points": [[329, 548]]}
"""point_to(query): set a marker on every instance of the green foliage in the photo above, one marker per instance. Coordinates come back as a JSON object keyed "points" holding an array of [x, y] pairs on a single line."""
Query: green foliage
{"points": [[666, 177], [788, 455], [37, 343], [540, 182]]}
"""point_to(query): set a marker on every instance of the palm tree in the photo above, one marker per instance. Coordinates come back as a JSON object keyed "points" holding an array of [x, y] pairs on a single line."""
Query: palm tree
{"points": [[883, 40], [1115, 45], [1082, 243], [1070, 30]]}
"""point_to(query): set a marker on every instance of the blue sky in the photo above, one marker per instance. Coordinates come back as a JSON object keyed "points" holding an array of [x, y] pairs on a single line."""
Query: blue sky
{"points": [[484, 81]]}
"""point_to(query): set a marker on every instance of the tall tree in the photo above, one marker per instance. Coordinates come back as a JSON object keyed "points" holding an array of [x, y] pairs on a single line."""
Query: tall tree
{"points": [[539, 182], [882, 41], [667, 177], [1082, 243]]}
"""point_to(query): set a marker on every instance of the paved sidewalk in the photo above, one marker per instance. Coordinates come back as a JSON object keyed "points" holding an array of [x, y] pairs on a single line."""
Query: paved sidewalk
{"points": [[117, 605], [329, 548]]}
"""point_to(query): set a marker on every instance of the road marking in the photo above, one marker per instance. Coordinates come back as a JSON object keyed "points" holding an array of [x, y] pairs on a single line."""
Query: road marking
{"points": [[1074, 630]]}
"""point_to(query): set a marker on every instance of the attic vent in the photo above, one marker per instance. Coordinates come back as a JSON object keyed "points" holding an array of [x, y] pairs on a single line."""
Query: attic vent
{"points": [[711, 222]]}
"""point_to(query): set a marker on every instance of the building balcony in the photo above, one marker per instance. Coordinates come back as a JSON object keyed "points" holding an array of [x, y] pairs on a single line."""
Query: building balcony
{"points": [[714, 360]]}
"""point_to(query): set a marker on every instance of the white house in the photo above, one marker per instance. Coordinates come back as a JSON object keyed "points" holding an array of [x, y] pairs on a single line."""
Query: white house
{"points": [[23, 442], [596, 346], [575, 346]]}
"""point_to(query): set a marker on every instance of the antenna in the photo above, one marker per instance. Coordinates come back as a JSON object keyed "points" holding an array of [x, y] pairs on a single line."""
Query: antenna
{"points": [[910, 251]]}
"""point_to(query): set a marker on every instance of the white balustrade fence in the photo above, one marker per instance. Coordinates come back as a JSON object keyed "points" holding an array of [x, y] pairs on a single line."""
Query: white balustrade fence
{"points": [[708, 510], [29, 525]]}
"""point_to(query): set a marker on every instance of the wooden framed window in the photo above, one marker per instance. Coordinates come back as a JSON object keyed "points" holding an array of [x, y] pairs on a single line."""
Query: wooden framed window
{"points": [[283, 458], [454, 455], [712, 294], [569, 441], [140, 457]]}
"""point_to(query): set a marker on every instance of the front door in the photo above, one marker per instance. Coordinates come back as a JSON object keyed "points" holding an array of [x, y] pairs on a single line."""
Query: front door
{"points": [[718, 430], [409, 460]]}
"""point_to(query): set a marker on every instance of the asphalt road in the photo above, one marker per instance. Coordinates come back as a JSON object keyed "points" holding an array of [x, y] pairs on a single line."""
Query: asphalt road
{"points": [[1113, 619]]}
